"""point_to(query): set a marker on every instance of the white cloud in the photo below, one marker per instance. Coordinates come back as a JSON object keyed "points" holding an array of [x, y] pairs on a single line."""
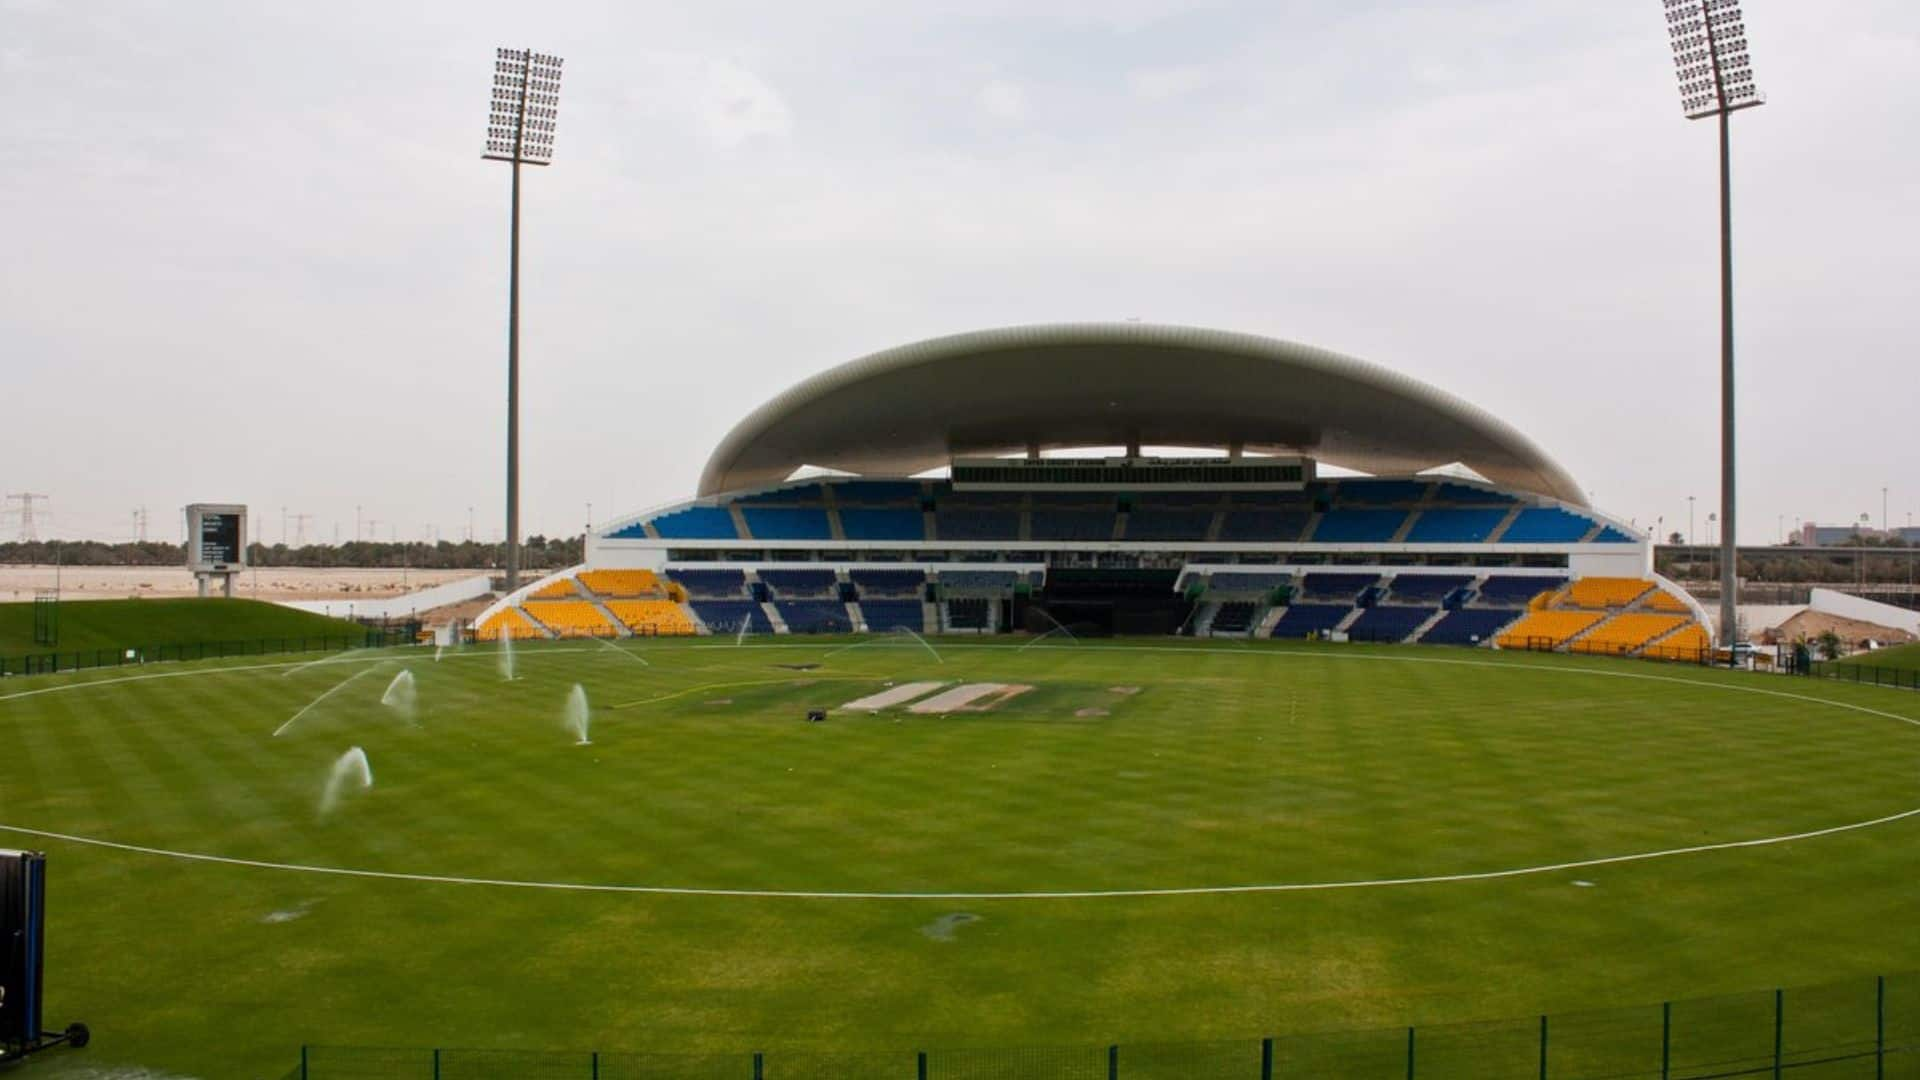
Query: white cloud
{"points": [[1002, 100], [715, 100], [1161, 83]]}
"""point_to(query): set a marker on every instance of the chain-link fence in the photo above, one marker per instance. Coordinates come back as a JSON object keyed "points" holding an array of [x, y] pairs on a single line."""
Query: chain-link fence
{"points": [[1862, 1029]]}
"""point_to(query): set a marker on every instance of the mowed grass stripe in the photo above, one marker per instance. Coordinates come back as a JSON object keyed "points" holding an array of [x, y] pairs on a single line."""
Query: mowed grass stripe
{"points": [[1241, 766]]}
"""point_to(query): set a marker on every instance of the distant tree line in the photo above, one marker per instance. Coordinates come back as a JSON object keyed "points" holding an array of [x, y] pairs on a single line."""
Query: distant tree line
{"points": [[536, 553], [1791, 563]]}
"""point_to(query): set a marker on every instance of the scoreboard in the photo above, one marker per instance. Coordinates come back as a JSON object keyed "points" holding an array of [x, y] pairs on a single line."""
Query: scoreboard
{"points": [[216, 537]]}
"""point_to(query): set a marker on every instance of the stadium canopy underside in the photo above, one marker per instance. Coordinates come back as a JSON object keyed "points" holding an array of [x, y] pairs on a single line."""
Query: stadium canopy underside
{"points": [[1008, 391]]}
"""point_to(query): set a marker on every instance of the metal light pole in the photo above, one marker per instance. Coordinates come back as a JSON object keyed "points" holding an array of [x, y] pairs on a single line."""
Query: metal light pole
{"points": [[521, 116], [1716, 79]]}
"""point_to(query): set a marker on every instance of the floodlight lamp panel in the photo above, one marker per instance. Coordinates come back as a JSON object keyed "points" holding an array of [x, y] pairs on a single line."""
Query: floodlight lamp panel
{"points": [[523, 108], [1707, 34]]}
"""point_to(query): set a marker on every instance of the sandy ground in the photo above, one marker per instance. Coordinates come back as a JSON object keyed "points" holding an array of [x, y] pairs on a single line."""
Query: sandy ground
{"points": [[279, 583], [1812, 624]]}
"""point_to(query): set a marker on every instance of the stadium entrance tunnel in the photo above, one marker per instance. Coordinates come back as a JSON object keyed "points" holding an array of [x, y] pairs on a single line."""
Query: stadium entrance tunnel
{"points": [[1104, 602]]}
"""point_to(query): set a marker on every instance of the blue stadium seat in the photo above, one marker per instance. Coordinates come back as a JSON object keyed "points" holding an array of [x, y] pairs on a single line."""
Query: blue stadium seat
{"points": [[800, 582], [1250, 582], [878, 524], [768, 523], [1546, 525], [713, 583], [888, 582], [697, 523], [1454, 526], [1468, 626], [808, 494], [884, 615], [1388, 624], [1515, 591], [864, 492], [1428, 588], [1611, 535], [1358, 526], [1072, 525], [1344, 587], [1462, 494], [978, 524], [1302, 619], [725, 616], [813, 616], [979, 580], [1377, 492], [1177, 500], [1297, 499], [1144, 524], [1264, 525], [1085, 500]]}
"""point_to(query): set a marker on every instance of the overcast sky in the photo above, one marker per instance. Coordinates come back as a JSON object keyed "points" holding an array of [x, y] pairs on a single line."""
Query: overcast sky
{"points": [[252, 254]]}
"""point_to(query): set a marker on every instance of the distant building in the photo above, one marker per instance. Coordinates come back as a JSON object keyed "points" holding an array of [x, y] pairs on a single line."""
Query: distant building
{"points": [[1811, 535]]}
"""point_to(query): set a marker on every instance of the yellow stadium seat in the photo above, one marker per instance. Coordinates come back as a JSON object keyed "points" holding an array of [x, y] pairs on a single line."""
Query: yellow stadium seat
{"points": [[1546, 629], [1625, 633], [510, 622], [1605, 592], [555, 590], [571, 618], [663, 618], [622, 583], [1662, 600], [1689, 644]]}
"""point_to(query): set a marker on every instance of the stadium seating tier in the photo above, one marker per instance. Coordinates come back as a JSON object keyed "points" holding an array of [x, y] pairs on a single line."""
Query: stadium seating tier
{"points": [[622, 583], [571, 618], [661, 618]]}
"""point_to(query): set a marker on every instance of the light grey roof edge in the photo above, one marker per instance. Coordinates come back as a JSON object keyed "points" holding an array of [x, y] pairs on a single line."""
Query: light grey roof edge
{"points": [[1551, 478]]}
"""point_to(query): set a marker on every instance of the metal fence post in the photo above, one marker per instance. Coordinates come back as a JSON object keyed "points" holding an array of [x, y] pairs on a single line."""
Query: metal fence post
{"points": [[1266, 1059], [1409, 1054], [1880, 1028], [436, 1063], [1113, 1062], [1779, 1027], [1666, 1040], [921, 1070], [303, 1061], [759, 1066], [596, 1065], [1543, 1046]]}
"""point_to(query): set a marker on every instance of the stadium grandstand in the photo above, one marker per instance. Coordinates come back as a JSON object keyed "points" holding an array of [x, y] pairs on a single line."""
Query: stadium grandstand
{"points": [[945, 487]]}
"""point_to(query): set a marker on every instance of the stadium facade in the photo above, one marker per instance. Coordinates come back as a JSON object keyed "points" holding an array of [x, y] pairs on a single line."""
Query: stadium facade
{"points": [[922, 488]]}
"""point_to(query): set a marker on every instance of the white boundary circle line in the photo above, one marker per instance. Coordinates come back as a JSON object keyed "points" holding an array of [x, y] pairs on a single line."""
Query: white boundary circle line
{"points": [[1081, 894]]}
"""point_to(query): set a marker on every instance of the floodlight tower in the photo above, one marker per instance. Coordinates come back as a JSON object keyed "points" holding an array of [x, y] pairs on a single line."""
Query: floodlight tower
{"points": [[1716, 79], [521, 117]]}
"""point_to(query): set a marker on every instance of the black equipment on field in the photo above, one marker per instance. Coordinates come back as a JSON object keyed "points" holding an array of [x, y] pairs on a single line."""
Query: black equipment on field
{"points": [[23, 932], [814, 716]]}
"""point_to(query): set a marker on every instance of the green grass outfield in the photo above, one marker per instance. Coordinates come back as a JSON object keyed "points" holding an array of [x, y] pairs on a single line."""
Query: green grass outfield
{"points": [[86, 625], [1232, 765], [1899, 657]]}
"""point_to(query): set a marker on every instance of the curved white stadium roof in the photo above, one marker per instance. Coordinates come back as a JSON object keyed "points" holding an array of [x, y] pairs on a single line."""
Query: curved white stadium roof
{"points": [[915, 407]]}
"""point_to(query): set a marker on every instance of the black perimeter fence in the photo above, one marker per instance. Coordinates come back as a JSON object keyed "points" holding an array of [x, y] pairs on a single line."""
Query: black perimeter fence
{"points": [[1904, 678], [1854, 1030], [134, 655]]}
